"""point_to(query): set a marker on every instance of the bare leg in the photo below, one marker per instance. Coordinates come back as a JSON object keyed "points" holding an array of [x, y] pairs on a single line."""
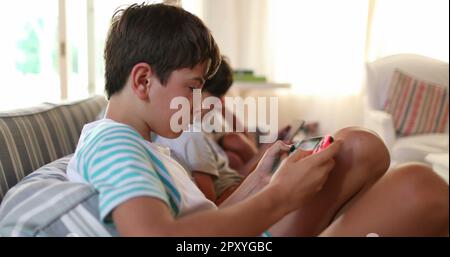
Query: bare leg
{"points": [[410, 200], [362, 161], [353, 191]]}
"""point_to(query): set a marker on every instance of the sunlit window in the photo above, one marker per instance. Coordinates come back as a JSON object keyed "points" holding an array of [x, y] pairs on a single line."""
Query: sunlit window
{"points": [[29, 53], [77, 49]]}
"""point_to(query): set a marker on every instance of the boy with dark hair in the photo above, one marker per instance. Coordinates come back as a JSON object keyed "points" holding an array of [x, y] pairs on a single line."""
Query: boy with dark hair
{"points": [[203, 155], [155, 53], [168, 38]]}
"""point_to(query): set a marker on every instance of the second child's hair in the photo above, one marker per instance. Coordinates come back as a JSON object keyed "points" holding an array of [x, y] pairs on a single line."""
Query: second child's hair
{"points": [[222, 80], [165, 37]]}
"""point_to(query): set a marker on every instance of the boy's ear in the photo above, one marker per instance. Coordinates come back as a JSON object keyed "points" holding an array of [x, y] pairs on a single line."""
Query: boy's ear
{"points": [[141, 77]]}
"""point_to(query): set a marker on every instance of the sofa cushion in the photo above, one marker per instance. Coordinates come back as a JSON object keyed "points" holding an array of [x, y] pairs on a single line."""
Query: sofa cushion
{"points": [[416, 148], [440, 163], [45, 203], [33, 137], [417, 106]]}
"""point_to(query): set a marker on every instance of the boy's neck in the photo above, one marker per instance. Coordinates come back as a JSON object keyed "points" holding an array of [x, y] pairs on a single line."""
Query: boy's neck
{"points": [[120, 112]]}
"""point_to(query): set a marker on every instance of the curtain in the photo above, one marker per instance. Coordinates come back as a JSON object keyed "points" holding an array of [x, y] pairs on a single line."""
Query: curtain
{"points": [[316, 46], [319, 47]]}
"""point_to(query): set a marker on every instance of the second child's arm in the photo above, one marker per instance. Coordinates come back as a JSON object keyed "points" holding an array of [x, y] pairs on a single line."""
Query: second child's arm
{"points": [[205, 183]]}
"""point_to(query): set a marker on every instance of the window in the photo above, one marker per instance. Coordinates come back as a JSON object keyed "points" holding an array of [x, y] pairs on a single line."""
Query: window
{"points": [[30, 53], [77, 49], [53, 50]]}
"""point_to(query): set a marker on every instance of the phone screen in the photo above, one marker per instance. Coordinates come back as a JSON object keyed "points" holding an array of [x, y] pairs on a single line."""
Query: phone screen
{"points": [[308, 144], [314, 144]]}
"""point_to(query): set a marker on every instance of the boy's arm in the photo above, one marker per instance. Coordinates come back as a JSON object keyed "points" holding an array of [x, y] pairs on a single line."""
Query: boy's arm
{"points": [[147, 216], [251, 164], [252, 184], [296, 181], [255, 181]]}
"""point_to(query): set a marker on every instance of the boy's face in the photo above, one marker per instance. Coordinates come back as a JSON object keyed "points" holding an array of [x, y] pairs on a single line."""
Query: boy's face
{"points": [[181, 82], [208, 109]]}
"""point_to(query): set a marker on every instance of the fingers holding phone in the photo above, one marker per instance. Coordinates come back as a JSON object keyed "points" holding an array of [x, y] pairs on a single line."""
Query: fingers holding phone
{"points": [[303, 174], [288, 133], [272, 155], [283, 133], [325, 154]]}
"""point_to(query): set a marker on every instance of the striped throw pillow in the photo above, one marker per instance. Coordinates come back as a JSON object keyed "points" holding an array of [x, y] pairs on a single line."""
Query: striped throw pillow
{"points": [[417, 106]]}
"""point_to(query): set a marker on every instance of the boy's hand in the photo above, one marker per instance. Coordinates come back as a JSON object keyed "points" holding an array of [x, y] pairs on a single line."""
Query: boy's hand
{"points": [[302, 175], [284, 132], [273, 152]]}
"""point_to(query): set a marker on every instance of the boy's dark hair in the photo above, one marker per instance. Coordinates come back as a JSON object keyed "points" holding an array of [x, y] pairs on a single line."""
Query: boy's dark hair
{"points": [[166, 37], [219, 84]]}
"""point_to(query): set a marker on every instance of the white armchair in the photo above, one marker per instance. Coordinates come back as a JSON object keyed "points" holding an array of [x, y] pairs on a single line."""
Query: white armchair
{"points": [[378, 76]]}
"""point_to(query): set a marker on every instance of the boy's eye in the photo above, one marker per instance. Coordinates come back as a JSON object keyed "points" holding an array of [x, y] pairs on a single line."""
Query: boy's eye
{"points": [[192, 87]]}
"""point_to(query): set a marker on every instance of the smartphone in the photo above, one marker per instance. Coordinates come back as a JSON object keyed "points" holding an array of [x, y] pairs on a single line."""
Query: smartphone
{"points": [[296, 126], [314, 144]]}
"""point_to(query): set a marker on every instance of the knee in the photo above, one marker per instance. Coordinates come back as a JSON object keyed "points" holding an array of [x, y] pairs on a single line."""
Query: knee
{"points": [[423, 191], [364, 148]]}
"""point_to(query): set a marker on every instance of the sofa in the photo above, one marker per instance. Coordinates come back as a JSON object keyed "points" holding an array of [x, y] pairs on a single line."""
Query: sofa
{"points": [[378, 80], [36, 198]]}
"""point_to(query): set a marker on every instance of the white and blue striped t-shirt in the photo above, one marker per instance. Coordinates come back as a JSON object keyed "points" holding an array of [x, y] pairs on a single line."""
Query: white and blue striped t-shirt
{"points": [[120, 164]]}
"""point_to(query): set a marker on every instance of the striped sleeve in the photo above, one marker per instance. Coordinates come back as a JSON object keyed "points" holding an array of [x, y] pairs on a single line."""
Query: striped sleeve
{"points": [[119, 168]]}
